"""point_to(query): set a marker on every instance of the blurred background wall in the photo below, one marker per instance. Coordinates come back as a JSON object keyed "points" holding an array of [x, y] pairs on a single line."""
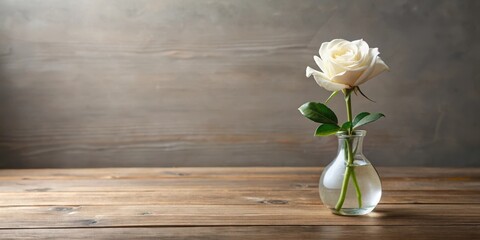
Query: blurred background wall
{"points": [[218, 83]]}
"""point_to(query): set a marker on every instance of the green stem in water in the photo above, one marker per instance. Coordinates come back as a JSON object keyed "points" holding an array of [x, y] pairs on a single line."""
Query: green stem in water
{"points": [[349, 171], [357, 189], [346, 178]]}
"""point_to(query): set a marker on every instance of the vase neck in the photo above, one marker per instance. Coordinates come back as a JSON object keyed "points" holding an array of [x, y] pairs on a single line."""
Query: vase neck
{"points": [[355, 140]]}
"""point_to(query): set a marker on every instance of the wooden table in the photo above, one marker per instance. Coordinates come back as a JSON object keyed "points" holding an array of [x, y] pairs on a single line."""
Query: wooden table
{"points": [[230, 203]]}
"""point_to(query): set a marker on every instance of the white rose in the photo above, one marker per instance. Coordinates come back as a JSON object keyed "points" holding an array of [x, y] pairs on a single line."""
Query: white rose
{"points": [[346, 64]]}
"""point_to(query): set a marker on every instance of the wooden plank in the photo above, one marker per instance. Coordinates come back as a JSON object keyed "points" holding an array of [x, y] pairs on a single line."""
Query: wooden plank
{"points": [[224, 172], [232, 215], [233, 203], [225, 197], [154, 173], [253, 233], [152, 83], [432, 196], [135, 185], [122, 108]]}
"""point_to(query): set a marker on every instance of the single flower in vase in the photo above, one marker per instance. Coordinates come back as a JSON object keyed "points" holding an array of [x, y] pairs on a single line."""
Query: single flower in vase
{"points": [[349, 185]]}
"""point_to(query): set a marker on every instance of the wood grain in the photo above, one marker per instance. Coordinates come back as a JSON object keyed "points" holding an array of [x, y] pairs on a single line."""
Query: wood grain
{"points": [[230, 203], [186, 184], [225, 172], [232, 215], [226, 197], [190, 83], [255, 232], [155, 184]]}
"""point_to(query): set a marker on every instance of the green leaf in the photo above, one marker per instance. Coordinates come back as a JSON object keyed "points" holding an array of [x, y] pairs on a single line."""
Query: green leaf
{"points": [[318, 112], [346, 126], [331, 96], [326, 129], [368, 119], [359, 117]]}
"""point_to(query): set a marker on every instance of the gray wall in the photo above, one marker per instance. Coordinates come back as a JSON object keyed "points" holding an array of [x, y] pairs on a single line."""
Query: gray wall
{"points": [[218, 83]]}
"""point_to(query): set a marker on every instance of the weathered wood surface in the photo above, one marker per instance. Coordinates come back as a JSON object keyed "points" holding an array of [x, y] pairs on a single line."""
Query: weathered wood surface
{"points": [[254, 233], [230, 203], [217, 83]]}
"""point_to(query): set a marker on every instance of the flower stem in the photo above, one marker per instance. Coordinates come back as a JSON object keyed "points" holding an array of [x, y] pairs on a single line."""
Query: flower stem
{"points": [[346, 179], [357, 189], [348, 103], [349, 170]]}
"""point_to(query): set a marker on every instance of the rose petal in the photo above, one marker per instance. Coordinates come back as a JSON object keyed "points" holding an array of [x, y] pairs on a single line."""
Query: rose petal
{"points": [[323, 81], [347, 77], [334, 68], [380, 67], [309, 71], [372, 56], [354, 61], [328, 85], [320, 64], [324, 48], [362, 45]]}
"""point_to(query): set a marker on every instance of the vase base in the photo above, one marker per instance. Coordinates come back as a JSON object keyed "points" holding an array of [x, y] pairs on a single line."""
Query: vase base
{"points": [[352, 211]]}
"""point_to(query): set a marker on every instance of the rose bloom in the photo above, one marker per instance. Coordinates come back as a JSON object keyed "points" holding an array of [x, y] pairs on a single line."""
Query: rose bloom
{"points": [[346, 64]]}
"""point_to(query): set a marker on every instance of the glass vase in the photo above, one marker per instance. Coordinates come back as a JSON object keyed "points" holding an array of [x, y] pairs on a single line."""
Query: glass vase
{"points": [[350, 185]]}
